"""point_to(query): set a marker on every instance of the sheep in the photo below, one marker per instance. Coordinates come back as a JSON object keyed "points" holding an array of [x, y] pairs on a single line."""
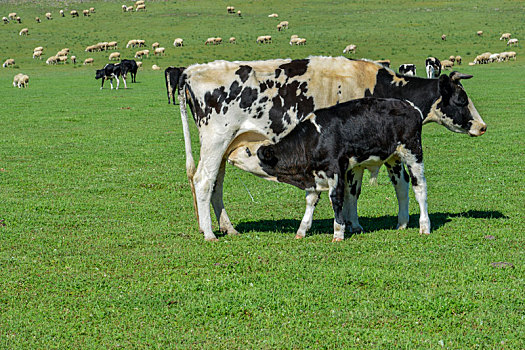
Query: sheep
{"points": [[139, 64], [114, 55], [112, 45], [301, 41], [141, 53], [160, 50], [511, 54], [264, 39], [21, 80], [294, 36], [8, 62], [102, 46], [209, 41], [88, 61], [155, 45], [446, 64], [91, 48], [140, 8], [505, 36], [24, 31], [141, 43], [284, 24], [232, 40], [92, 9], [239, 13], [5, 19], [350, 48], [512, 42], [230, 9], [85, 13], [178, 42], [74, 59], [18, 19], [62, 59], [124, 8], [37, 54], [74, 13], [294, 40], [458, 60], [52, 60], [479, 33], [273, 15], [48, 15], [61, 12], [443, 37], [127, 8], [155, 67], [37, 19], [494, 57], [12, 15], [39, 48], [132, 43], [217, 41], [452, 58], [62, 53], [139, 2]]}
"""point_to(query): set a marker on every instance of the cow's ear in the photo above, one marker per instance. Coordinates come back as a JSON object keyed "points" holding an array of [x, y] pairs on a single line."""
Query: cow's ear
{"points": [[267, 155]]}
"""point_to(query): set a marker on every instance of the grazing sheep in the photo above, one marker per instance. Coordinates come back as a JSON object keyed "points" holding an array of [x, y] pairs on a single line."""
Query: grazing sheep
{"points": [[37, 19], [458, 60], [264, 39], [301, 41], [447, 64], [273, 15], [114, 55], [141, 43], [19, 20], [511, 54], [24, 31], [48, 15], [5, 19], [141, 53], [92, 9], [284, 24], [86, 13], [232, 40], [294, 36], [62, 13], [39, 48], [209, 41], [102, 46], [350, 48], [279, 27], [124, 8], [217, 41], [128, 8], [88, 61], [62, 53], [139, 64], [8, 62], [112, 45], [443, 37], [178, 42], [52, 60], [132, 43], [230, 9], [294, 40], [494, 57], [505, 36], [452, 58], [91, 48], [139, 2], [239, 13], [74, 13], [21, 80], [155, 45], [479, 33], [155, 67], [512, 42], [37, 54], [140, 8], [160, 50], [74, 59], [62, 59], [12, 15]]}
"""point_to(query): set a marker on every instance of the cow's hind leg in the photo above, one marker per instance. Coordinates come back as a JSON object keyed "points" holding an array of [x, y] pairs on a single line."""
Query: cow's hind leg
{"points": [[312, 197], [399, 178], [352, 190], [218, 204]]}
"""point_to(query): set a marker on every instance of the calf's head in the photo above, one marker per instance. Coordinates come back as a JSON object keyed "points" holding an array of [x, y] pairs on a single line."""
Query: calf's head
{"points": [[453, 109], [252, 157], [99, 74]]}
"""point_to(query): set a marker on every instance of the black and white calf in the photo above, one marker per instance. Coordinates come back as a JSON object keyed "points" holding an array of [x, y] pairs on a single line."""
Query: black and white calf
{"points": [[407, 69], [111, 71], [330, 149], [433, 67], [131, 67], [172, 76]]}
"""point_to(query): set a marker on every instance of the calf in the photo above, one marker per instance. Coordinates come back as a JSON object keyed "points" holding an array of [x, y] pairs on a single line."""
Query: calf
{"points": [[131, 67], [111, 71], [407, 69], [329, 150], [433, 67], [172, 76]]}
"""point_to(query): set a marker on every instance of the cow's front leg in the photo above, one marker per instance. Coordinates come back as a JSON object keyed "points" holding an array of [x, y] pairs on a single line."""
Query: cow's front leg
{"points": [[337, 196], [354, 179], [102, 86], [399, 178], [419, 185], [111, 83], [312, 197], [225, 224], [124, 80]]}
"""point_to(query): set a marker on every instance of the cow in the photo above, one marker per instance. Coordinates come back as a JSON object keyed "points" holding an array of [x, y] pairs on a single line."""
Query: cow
{"points": [[131, 67], [172, 76], [111, 71], [407, 69], [433, 67], [238, 103], [331, 147]]}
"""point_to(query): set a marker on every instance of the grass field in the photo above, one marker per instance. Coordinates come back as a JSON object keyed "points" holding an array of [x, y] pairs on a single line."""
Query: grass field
{"points": [[99, 247]]}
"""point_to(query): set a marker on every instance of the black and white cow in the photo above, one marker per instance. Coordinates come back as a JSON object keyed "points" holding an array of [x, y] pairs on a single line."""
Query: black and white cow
{"points": [[433, 67], [330, 148], [407, 69], [111, 71], [238, 103], [172, 76], [131, 67]]}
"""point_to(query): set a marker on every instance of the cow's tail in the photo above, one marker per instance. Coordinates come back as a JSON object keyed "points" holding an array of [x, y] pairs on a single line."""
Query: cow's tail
{"points": [[190, 163]]}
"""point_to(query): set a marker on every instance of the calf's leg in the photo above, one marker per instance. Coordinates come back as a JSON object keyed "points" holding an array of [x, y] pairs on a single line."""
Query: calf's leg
{"points": [[337, 196], [352, 190], [399, 178], [312, 197]]}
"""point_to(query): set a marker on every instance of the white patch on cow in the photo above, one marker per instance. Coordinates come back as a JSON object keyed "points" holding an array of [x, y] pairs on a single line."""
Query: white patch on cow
{"points": [[415, 107], [478, 125], [311, 118], [372, 162], [322, 182], [398, 80], [437, 115]]}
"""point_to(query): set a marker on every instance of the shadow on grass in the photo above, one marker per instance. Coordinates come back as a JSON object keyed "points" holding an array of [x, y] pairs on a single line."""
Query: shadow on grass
{"points": [[325, 226]]}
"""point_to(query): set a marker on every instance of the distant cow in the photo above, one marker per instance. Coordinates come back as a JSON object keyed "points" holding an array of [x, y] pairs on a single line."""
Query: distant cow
{"points": [[433, 67], [172, 76], [109, 72], [407, 69], [131, 67]]}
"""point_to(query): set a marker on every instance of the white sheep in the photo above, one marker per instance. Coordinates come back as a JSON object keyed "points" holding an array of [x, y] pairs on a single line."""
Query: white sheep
{"points": [[92, 9], [74, 59], [24, 31], [8, 62], [85, 13], [494, 57], [139, 64], [178, 42], [18, 19], [156, 44], [458, 60], [217, 41], [230, 9], [505, 36], [209, 41], [301, 41], [273, 15], [140, 8], [52, 60], [232, 40], [155, 67], [37, 54], [12, 15], [61, 12], [114, 55], [512, 42], [39, 48], [132, 43], [294, 40], [62, 53], [88, 61], [74, 13], [443, 37], [445, 64], [48, 15], [37, 19], [62, 59], [452, 58], [160, 50], [139, 2], [239, 13], [141, 43], [350, 48], [112, 45], [21, 80], [5, 19], [479, 33]]}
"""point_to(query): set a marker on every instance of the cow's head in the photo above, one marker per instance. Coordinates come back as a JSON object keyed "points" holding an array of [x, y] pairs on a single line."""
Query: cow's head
{"points": [[453, 109], [100, 73]]}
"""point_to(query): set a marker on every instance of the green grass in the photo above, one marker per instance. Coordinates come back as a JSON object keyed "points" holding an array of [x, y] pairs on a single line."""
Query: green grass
{"points": [[100, 247]]}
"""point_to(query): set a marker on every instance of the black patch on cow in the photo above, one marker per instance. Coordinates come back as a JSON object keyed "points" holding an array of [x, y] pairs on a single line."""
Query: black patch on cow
{"points": [[263, 86], [277, 73], [244, 72], [248, 96], [405, 175], [263, 99], [248, 152], [295, 68], [224, 111], [214, 100], [235, 90]]}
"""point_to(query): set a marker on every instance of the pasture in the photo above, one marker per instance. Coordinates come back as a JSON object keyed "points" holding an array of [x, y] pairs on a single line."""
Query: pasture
{"points": [[99, 246]]}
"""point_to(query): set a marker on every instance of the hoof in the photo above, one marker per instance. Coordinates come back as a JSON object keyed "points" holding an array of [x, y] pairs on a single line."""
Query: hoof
{"points": [[337, 239], [424, 232], [299, 237], [213, 239], [401, 226], [230, 232]]}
